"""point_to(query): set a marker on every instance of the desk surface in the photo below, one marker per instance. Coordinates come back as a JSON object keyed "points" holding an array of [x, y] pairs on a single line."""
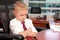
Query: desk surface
{"points": [[48, 35]]}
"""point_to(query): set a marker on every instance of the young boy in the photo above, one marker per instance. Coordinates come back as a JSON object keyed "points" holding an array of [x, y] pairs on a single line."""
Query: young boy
{"points": [[20, 12]]}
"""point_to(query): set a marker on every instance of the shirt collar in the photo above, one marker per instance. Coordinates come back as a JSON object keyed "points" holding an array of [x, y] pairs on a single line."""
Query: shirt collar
{"points": [[20, 21]]}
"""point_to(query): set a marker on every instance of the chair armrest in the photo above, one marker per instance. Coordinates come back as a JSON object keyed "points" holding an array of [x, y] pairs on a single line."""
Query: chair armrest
{"points": [[18, 37], [9, 36], [4, 35]]}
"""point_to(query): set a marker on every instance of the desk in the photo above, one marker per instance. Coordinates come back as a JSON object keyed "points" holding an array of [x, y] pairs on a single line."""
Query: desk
{"points": [[48, 35], [40, 23]]}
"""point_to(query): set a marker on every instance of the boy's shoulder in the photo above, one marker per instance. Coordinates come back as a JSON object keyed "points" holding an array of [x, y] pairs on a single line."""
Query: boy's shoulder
{"points": [[12, 20], [28, 20]]}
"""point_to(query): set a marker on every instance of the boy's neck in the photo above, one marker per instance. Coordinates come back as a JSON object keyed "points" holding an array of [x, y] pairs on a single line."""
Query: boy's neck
{"points": [[19, 19]]}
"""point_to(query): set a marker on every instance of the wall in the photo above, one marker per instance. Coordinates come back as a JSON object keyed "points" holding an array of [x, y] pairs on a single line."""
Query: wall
{"points": [[26, 2], [53, 1]]}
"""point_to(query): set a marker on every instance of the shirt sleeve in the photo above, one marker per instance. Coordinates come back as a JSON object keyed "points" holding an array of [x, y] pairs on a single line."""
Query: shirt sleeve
{"points": [[13, 29], [32, 27]]}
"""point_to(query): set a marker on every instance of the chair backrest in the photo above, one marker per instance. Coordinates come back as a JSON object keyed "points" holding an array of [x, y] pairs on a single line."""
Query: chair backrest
{"points": [[5, 20]]}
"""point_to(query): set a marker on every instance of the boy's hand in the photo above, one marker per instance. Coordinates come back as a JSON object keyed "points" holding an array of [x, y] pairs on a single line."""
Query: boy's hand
{"points": [[28, 31]]}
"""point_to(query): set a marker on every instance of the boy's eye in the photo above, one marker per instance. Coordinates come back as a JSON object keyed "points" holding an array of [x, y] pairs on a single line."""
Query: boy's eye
{"points": [[21, 15], [24, 15]]}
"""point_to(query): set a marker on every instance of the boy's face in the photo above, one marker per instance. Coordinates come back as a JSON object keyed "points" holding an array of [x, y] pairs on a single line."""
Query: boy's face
{"points": [[20, 14]]}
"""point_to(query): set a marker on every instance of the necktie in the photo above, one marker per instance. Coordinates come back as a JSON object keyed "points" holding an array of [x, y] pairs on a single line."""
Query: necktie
{"points": [[24, 27]]}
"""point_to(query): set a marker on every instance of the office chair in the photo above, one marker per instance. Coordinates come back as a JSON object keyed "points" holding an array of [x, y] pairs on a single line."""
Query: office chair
{"points": [[5, 21]]}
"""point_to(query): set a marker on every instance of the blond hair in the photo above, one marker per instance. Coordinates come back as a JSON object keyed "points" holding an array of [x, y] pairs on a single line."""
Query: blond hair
{"points": [[21, 5]]}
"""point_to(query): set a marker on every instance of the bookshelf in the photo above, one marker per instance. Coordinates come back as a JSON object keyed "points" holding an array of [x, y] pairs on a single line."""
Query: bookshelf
{"points": [[45, 6]]}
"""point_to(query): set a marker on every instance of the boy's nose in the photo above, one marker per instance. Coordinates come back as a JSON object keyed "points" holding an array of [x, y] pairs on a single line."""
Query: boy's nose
{"points": [[24, 17]]}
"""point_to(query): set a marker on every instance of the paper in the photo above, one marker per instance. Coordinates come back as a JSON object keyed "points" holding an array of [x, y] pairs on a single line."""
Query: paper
{"points": [[56, 27]]}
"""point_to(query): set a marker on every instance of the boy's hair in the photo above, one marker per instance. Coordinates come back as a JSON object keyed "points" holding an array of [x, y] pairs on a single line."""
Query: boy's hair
{"points": [[20, 5]]}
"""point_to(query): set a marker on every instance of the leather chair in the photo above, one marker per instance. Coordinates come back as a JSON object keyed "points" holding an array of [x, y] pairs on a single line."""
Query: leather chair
{"points": [[5, 21]]}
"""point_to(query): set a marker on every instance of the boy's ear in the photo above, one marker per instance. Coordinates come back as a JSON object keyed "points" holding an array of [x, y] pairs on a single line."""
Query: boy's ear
{"points": [[14, 12]]}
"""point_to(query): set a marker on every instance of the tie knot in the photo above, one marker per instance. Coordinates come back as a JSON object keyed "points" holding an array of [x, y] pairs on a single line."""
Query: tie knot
{"points": [[23, 22]]}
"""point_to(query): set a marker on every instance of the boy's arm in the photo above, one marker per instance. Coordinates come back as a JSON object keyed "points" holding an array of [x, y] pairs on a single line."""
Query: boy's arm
{"points": [[34, 31], [33, 34], [26, 32]]}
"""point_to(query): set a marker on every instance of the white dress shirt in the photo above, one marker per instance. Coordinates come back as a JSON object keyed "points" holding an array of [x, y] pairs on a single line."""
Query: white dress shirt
{"points": [[17, 27]]}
